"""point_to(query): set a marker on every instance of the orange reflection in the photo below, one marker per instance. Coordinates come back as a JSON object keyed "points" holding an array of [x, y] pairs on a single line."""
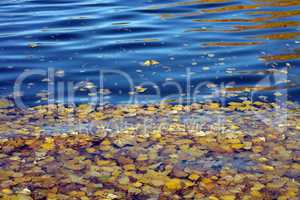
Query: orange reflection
{"points": [[281, 57], [278, 3], [258, 88], [280, 36], [232, 43], [185, 3], [254, 15], [268, 25], [231, 8]]}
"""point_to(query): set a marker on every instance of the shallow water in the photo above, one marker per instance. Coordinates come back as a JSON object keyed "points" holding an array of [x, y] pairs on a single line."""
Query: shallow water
{"points": [[246, 45], [200, 151]]}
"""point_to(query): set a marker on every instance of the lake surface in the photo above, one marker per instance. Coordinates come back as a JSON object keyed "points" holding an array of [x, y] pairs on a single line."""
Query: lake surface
{"points": [[176, 51]]}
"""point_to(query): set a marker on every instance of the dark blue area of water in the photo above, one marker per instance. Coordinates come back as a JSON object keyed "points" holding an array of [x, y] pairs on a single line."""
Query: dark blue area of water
{"points": [[201, 48]]}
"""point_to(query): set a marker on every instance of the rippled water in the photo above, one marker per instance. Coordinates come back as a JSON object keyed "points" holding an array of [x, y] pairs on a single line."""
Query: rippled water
{"points": [[250, 48]]}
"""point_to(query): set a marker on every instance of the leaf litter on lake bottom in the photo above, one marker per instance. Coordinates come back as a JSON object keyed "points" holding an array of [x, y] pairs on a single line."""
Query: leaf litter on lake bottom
{"points": [[199, 151]]}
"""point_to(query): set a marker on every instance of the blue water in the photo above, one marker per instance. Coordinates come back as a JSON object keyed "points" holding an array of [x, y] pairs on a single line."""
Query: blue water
{"points": [[204, 44]]}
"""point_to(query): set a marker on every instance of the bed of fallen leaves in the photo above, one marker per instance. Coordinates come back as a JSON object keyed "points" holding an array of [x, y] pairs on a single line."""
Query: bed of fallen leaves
{"points": [[240, 158]]}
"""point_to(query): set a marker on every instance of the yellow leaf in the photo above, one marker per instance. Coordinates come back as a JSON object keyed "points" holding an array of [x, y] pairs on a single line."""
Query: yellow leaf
{"points": [[213, 106], [49, 144], [7, 191], [237, 146], [234, 127], [4, 103], [267, 167], [142, 157], [156, 135], [129, 167], [140, 89], [137, 184], [103, 162], [212, 198], [173, 184], [194, 177], [255, 193], [151, 62], [228, 197]]}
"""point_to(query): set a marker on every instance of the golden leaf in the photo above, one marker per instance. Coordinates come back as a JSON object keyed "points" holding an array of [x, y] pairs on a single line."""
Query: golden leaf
{"points": [[151, 62]]}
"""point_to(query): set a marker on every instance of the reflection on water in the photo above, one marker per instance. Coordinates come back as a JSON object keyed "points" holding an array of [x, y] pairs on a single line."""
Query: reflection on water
{"points": [[232, 43], [282, 57], [214, 41]]}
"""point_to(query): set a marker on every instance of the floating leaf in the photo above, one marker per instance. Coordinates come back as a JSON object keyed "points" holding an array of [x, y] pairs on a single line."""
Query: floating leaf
{"points": [[33, 45], [151, 62], [140, 89]]}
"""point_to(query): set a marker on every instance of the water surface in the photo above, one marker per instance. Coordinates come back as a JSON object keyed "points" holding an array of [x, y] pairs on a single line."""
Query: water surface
{"points": [[248, 46]]}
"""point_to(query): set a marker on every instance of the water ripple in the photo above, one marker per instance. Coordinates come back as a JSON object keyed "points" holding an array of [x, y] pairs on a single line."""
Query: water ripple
{"points": [[211, 40]]}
